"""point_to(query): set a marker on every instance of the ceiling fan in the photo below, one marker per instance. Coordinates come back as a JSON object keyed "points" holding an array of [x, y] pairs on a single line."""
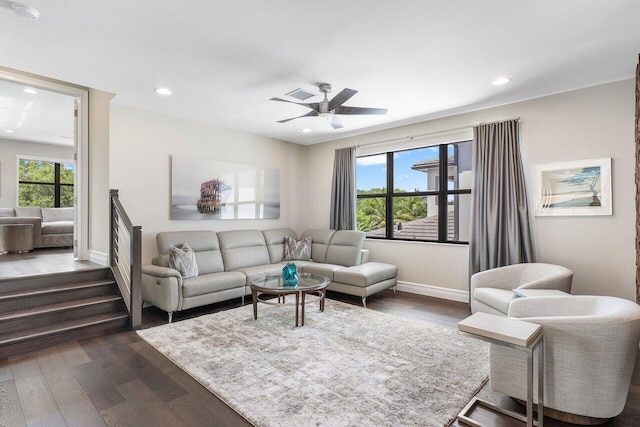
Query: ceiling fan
{"points": [[328, 109]]}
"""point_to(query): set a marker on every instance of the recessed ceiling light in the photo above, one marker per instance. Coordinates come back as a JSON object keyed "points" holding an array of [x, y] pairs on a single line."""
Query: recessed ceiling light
{"points": [[306, 130], [31, 91], [163, 91], [501, 81], [8, 131]]}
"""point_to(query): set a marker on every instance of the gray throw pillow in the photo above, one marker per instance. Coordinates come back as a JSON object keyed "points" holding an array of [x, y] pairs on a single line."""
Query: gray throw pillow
{"points": [[183, 259], [297, 250]]}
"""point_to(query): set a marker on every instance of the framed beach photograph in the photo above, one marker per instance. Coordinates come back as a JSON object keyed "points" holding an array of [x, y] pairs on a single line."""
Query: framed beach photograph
{"points": [[580, 187]]}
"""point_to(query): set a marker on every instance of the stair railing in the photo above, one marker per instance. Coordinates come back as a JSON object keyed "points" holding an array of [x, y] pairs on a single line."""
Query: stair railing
{"points": [[125, 258]]}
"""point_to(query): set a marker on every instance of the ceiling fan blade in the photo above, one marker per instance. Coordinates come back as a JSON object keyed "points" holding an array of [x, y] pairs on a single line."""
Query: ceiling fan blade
{"points": [[341, 98], [314, 106], [360, 110], [309, 114], [335, 122]]}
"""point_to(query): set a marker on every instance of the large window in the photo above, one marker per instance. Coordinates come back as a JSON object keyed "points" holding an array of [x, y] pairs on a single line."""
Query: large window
{"points": [[44, 183], [402, 196]]}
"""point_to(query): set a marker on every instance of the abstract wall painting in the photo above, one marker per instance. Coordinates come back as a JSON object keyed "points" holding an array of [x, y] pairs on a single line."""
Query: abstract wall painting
{"points": [[203, 189], [581, 187]]}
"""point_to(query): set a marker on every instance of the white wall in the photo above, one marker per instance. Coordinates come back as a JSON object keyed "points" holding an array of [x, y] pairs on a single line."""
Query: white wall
{"points": [[588, 123], [140, 149], [99, 175], [9, 149]]}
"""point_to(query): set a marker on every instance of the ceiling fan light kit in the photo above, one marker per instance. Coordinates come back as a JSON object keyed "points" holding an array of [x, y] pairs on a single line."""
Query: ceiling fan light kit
{"points": [[328, 109]]}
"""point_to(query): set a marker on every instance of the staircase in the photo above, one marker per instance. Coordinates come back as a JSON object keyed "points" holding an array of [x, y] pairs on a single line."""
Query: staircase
{"points": [[44, 310]]}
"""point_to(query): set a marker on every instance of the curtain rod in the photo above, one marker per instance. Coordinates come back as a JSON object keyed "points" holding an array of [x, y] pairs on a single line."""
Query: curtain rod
{"points": [[421, 135]]}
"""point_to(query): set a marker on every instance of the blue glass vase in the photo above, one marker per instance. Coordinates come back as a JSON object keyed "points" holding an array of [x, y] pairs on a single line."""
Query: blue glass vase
{"points": [[290, 275]]}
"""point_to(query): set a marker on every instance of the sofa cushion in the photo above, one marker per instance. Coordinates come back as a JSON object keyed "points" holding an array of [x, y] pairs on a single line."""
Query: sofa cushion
{"points": [[57, 214], [498, 299], [57, 227], [366, 274], [213, 282], [260, 270], [203, 242], [320, 242], [275, 242], [344, 248], [297, 250], [183, 259], [28, 211], [322, 269], [243, 248], [5, 212]]}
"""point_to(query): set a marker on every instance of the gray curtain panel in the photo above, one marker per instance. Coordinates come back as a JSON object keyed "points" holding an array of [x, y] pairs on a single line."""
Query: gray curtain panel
{"points": [[343, 190], [500, 230]]}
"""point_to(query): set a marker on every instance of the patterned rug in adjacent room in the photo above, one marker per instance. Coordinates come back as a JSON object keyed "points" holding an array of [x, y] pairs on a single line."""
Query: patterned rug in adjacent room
{"points": [[347, 366]]}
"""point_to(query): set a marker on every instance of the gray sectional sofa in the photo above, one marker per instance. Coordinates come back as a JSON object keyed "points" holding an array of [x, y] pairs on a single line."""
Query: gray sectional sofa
{"points": [[52, 227], [228, 260]]}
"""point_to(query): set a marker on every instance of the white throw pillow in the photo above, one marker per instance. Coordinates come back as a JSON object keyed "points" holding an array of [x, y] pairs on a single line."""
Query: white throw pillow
{"points": [[183, 259]]}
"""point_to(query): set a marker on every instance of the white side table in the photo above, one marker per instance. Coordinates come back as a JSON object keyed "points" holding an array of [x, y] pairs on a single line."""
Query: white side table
{"points": [[16, 238], [516, 334]]}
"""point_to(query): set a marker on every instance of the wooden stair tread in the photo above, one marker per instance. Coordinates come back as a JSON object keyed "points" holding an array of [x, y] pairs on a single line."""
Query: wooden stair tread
{"points": [[57, 307], [54, 289], [62, 327]]}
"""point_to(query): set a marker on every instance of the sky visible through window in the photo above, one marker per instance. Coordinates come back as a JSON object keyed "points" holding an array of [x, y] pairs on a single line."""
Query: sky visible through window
{"points": [[371, 170]]}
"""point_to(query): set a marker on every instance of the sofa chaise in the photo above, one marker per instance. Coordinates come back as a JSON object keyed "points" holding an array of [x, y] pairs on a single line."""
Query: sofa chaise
{"points": [[52, 227], [228, 260]]}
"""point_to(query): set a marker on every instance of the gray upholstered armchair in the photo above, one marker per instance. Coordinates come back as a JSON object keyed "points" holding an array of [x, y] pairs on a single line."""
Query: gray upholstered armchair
{"points": [[590, 347], [492, 290]]}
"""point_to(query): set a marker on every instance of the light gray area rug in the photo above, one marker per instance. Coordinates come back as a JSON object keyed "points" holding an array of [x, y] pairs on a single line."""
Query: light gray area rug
{"points": [[348, 366]]}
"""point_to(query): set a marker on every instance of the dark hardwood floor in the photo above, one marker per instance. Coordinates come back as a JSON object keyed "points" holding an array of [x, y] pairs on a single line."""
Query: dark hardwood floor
{"points": [[120, 380]]}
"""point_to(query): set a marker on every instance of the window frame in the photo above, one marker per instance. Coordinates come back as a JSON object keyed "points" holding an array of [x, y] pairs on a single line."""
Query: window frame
{"points": [[442, 194], [57, 184]]}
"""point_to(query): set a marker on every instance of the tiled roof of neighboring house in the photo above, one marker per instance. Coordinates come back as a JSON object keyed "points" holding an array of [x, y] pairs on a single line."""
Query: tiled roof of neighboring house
{"points": [[430, 164], [420, 229]]}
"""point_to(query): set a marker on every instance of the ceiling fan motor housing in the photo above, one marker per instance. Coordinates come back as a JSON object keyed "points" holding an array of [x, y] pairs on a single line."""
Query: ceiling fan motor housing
{"points": [[325, 87]]}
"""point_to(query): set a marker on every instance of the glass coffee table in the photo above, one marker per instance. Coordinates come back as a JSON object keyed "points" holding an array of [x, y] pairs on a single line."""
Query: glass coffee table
{"points": [[313, 284]]}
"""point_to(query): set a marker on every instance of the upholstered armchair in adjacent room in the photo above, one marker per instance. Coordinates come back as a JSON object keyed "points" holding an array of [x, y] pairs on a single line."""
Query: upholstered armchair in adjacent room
{"points": [[492, 290], [590, 348]]}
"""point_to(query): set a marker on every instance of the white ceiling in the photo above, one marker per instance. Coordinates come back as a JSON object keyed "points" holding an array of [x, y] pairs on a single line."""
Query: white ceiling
{"points": [[43, 116], [419, 59]]}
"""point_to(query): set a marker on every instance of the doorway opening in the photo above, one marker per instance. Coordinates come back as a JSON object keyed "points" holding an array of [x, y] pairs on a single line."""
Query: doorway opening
{"points": [[44, 170]]}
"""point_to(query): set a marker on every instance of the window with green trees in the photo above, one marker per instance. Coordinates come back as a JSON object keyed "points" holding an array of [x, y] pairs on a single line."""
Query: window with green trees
{"points": [[400, 194], [44, 183]]}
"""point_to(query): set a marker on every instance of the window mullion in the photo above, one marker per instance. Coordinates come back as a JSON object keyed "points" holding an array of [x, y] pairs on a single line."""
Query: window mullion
{"points": [[442, 196], [56, 189], [389, 199]]}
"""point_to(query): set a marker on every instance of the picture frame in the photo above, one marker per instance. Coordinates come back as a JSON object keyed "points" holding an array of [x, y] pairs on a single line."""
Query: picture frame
{"points": [[573, 188], [205, 189]]}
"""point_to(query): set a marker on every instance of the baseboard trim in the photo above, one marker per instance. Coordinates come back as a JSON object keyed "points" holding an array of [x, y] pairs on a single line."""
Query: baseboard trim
{"points": [[98, 258], [433, 291]]}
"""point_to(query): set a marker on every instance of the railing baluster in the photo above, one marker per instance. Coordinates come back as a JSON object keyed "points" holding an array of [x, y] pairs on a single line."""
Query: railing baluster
{"points": [[125, 254]]}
